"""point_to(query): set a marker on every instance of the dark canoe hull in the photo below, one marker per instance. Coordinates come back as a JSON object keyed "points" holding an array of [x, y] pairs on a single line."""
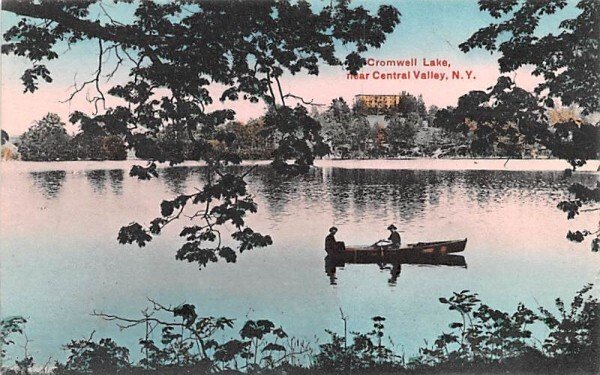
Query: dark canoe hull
{"points": [[450, 260], [423, 250]]}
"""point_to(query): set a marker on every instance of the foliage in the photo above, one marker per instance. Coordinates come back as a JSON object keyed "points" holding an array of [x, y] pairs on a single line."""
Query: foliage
{"points": [[251, 142], [4, 137], [46, 140], [582, 195], [113, 148], [483, 340], [379, 135], [344, 129], [507, 120], [359, 132], [567, 60], [575, 141], [483, 334], [486, 339], [410, 104], [190, 341], [8, 327], [86, 146], [174, 52], [367, 351], [88, 356], [576, 327], [501, 120], [401, 131]]}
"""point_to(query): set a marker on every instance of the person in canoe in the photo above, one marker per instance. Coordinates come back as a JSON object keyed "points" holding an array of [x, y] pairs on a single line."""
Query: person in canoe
{"points": [[331, 245], [394, 236], [393, 241]]}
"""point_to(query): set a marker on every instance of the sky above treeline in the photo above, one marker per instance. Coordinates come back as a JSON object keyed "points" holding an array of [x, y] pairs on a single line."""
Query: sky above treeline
{"points": [[430, 31]]}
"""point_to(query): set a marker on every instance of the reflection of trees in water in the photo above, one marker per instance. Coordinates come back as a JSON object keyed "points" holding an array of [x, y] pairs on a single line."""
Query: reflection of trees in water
{"points": [[116, 180], [277, 191], [401, 193], [175, 178], [404, 194], [49, 182], [97, 180], [341, 195], [349, 191], [495, 186]]}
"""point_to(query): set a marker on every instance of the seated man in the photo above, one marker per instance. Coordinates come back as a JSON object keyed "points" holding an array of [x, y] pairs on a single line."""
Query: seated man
{"points": [[394, 236], [331, 245]]}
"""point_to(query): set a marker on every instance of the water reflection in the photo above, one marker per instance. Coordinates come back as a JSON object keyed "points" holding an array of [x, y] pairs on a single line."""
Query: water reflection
{"points": [[278, 191], [49, 182], [394, 266], [116, 180], [404, 195], [518, 234], [175, 178], [97, 180]]}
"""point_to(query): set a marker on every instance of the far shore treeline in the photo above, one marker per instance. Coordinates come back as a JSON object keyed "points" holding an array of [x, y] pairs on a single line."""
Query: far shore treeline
{"points": [[406, 129]]}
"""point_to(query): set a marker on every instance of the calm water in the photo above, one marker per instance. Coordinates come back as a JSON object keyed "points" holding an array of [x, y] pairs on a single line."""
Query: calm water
{"points": [[61, 260]]}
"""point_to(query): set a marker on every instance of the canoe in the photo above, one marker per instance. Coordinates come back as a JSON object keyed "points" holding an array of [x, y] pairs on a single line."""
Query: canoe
{"points": [[412, 259], [369, 253]]}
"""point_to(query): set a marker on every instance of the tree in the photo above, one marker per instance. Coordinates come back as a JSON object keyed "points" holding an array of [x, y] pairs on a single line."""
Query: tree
{"points": [[251, 140], [401, 131], [359, 131], [46, 140], [85, 146], [113, 148], [336, 123], [380, 140], [409, 104], [339, 111], [500, 120], [568, 61], [506, 119], [173, 53]]}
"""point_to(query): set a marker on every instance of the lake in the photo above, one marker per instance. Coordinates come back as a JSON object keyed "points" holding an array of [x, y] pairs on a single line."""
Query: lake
{"points": [[61, 260]]}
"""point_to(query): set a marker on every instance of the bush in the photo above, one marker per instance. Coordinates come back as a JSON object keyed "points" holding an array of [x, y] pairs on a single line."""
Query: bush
{"points": [[113, 148], [46, 140]]}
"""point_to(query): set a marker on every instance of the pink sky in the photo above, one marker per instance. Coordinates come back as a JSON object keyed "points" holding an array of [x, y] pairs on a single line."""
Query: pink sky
{"points": [[20, 110]]}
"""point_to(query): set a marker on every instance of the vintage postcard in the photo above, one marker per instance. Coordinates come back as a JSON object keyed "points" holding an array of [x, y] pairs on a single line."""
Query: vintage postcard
{"points": [[300, 187]]}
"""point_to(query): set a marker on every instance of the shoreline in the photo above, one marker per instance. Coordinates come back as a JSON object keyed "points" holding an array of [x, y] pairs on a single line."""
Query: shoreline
{"points": [[450, 164]]}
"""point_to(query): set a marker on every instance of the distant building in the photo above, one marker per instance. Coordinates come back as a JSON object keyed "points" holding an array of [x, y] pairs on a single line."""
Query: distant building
{"points": [[376, 101]]}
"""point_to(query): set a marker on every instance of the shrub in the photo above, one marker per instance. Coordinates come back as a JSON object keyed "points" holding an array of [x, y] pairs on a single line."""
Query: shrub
{"points": [[46, 140]]}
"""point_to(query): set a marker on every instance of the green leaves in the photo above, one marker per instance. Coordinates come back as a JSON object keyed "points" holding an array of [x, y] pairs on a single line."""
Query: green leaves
{"points": [[134, 232], [46, 140], [501, 120], [299, 139], [187, 313], [88, 356], [565, 59], [31, 76], [173, 54], [249, 239], [9, 326]]}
